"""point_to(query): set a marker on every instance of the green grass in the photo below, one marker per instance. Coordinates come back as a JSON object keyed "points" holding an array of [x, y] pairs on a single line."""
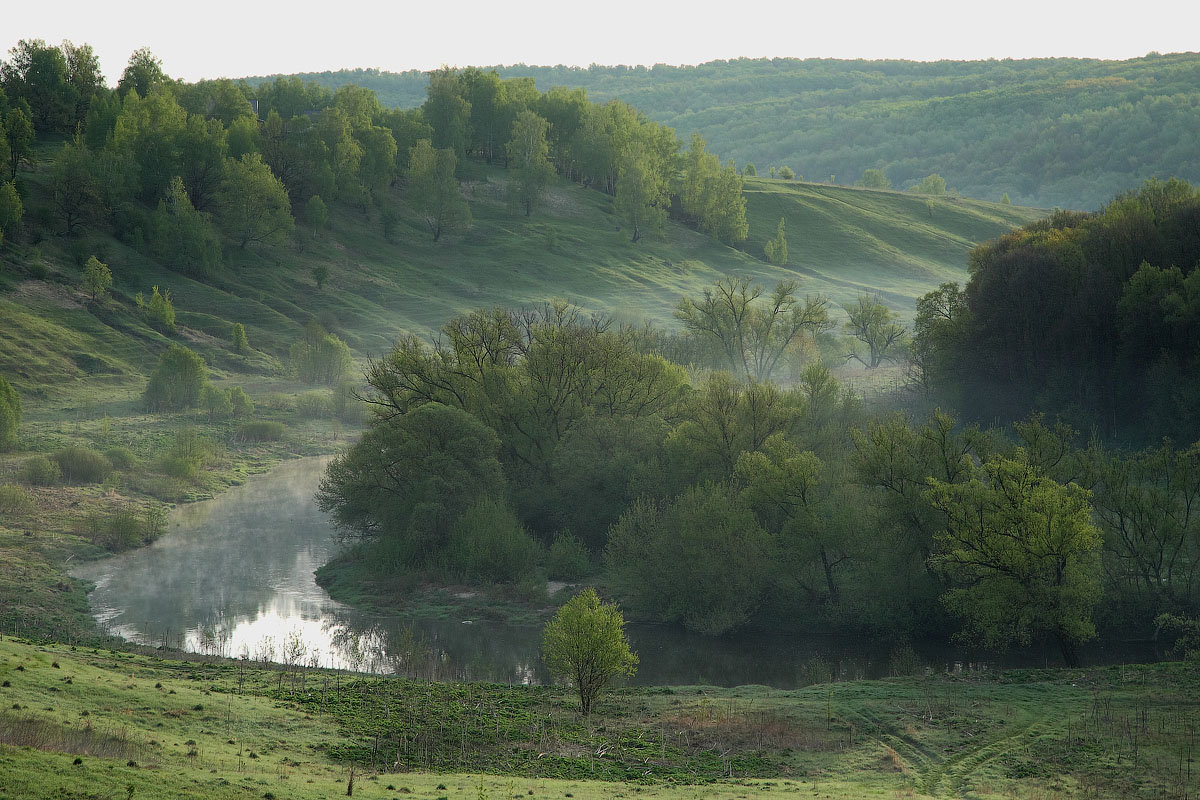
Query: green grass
{"points": [[229, 729]]}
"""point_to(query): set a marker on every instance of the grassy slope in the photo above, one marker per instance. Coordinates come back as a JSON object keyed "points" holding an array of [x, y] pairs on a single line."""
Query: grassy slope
{"points": [[149, 728]]}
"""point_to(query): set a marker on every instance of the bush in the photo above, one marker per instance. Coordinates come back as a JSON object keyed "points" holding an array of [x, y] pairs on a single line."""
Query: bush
{"points": [[488, 542], [320, 357], [237, 338], [14, 499], [240, 403], [314, 405], [81, 465], [568, 559], [123, 529], [177, 382], [121, 457], [188, 454], [261, 431], [346, 405], [159, 311], [10, 415], [40, 471], [215, 402]]}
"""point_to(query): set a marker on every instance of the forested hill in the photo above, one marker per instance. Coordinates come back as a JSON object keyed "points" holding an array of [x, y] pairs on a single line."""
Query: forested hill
{"points": [[1048, 132]]}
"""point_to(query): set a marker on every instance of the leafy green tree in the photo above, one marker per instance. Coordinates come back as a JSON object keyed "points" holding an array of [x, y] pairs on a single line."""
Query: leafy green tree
{"points": [[939, 326], [408, 479], [142, 73], [489, 543], [10, 415], [876, 326], [240, 404], [931, 184], [149, 130], [641, 190], [183, 237], [253, 204], [76, 192], [749, 170], [752, 337], [321, 357], [786, 173], [776, 249], [11, 209], [215, 402], [1022, 553], [447, 112], [529, 158], [585, 643], [316, 214], [701, 560], [159, 311], [237, 338], [711, 196], [320, 274], [19, 132], [433, 190], [202, 147], [37, 74], [177, 382], [97, 278], [1004, 200], [875, 179]]}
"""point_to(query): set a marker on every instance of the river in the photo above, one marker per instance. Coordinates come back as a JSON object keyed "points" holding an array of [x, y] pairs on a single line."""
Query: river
{"points": [[234, 577]]}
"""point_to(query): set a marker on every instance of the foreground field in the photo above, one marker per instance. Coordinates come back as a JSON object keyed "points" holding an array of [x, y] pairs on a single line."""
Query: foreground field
{"points": [[97, 724]]}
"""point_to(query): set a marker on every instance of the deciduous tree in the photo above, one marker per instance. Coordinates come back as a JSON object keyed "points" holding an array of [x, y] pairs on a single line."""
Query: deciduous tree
{"points": [[585, 643]]}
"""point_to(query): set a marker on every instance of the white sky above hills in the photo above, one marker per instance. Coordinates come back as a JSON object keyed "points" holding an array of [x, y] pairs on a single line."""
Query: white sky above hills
{"points": [[224, 38]]}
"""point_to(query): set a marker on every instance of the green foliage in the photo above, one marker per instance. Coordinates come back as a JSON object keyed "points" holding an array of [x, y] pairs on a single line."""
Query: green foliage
{"points": [[159, 311], [321, 357], [711, 196], [875, 179], [121, 457], [878, 327], [529, 158], [215, 402], [97, 278], [123, 529], [1022, 554], [749, 170], [408, 478], [40, 471], [931, 184], [240, 404], [237, 338], [320, 274], [15, 500], [177, 382], [19, 133], [316, 213], [188, 454], [585, 643], [776, 249], [82, 465], [314, 405], [10, 415], [75, 190], [786, 173], [252, 203], [568, 559], [489, 543], [11, 209], [1004, 199], [642, 190], [701, 560], [1187, 632], [260, 431], [433, 190], [183, 237]]}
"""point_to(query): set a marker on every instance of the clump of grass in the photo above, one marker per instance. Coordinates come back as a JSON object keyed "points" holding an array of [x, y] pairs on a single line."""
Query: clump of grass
{"points": [[40, 471], [314, 405], [42, 734], [14, 499], [259, 431], [82, 465]]}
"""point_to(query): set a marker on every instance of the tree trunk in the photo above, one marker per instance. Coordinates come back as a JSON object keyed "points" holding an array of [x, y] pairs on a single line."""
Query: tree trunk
{"points": [[1070, 652]]}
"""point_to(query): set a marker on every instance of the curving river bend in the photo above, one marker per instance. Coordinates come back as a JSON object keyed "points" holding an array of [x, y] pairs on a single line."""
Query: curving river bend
{"points": [[234, 577]]}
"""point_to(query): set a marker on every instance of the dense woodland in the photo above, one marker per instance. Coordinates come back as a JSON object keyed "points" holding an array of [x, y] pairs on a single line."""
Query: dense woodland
{"points": [[714, 474], [1048, 132]]}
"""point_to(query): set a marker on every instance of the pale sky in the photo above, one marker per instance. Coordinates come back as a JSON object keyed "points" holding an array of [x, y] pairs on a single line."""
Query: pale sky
{"points": [[223, 38]]}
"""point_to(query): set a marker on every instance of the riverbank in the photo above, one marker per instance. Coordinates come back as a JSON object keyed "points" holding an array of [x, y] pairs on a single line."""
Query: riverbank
{"points": [[45, 530], [90, 723]]}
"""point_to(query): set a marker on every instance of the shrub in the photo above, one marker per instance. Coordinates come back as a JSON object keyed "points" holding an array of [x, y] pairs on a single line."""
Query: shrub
{"points": [[240, 403], [159, 311], [314, 405], [238, 338], [568, 559], [124, 528], [488, 542], [40, 471], [82, 465], [10, 415], [346, 405], [187, 455], [261, 431], [321, 357], [177, 382], [215, 402], [121, 457], [14, 499]]}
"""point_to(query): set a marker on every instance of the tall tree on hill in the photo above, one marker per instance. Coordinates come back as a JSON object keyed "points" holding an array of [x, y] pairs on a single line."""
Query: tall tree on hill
{"points": [[641, 191], [37, 73], [76, 192], [252, 204], [433, 189], [528, 155], [143, 72], [447, 112], [19, 131]]}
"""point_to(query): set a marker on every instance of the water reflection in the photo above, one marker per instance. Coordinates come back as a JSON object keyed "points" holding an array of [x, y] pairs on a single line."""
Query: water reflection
{"points": [[234, 577]]}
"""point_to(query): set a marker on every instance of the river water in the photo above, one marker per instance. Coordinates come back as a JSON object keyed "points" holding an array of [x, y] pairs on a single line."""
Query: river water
{"points": [[234, 577]]}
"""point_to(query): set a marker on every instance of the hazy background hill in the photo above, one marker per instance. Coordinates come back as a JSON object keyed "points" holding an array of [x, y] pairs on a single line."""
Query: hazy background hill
{"points": [[1048, 132]]}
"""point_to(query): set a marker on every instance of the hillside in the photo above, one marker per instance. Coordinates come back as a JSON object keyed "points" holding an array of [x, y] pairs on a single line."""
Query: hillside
{"points": [[1048, 132], [843, 241]]}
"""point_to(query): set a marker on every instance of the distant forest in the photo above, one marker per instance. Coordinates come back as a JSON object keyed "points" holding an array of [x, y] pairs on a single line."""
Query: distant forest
{"points": [[1058, 132]]}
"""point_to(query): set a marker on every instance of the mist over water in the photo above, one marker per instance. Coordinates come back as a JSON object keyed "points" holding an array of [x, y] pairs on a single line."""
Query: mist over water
{"points": [[234, 577]]}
